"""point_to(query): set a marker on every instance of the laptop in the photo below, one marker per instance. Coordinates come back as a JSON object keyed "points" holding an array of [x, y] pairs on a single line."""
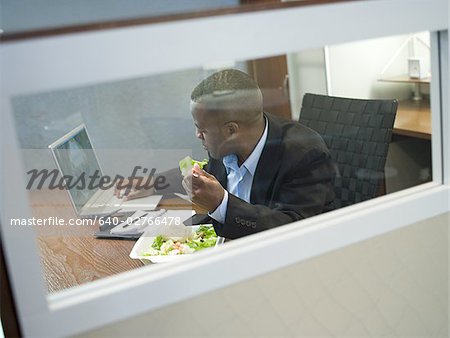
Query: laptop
{"points": [[74, 155]]}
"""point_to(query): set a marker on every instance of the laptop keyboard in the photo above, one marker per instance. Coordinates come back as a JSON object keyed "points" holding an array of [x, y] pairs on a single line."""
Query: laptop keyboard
{"points": [[107, 199]]}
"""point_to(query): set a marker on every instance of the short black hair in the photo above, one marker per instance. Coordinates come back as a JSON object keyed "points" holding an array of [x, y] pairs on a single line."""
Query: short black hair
{"points": [[230, 91], [223, 82]]}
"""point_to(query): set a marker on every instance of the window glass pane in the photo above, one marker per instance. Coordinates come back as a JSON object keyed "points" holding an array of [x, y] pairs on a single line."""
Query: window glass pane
{"points": [[142, 127]]}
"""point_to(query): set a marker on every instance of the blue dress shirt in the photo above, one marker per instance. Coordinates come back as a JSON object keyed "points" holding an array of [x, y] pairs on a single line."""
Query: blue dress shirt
{"points": [[239, 179]]}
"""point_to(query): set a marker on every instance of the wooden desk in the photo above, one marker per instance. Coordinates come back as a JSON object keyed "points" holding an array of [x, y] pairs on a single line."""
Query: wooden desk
{"points": [[407, 79], [71, 255], [413, 119]]}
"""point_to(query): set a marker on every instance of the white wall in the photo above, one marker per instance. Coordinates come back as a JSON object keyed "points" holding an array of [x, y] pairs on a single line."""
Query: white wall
{"points": [[356, 67], [392, 285], [306, 75]]}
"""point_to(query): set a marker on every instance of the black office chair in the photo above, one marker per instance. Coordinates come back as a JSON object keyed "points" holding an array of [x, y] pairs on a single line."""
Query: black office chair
{"points": [[358, 133]]}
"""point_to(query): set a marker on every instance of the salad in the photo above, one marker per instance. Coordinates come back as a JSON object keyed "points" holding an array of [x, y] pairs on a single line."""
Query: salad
{"points": [[204, 237], [187, 163]]}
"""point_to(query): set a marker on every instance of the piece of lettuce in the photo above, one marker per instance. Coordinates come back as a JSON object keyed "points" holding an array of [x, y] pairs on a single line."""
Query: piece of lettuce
{"points": [[204, 237], [187, 163], [159, 240]]}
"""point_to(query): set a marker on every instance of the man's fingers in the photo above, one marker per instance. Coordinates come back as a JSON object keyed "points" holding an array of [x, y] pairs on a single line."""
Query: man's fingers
{"points": [[207, 174], [126, 194], [199, 181], [194, 181], [133, 195], [122, 186], [118, 192], [197, 171], [193, 184], [117, 189]]}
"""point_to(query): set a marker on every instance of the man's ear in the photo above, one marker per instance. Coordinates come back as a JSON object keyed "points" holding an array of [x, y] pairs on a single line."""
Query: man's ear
{"points": [[232, 128]]}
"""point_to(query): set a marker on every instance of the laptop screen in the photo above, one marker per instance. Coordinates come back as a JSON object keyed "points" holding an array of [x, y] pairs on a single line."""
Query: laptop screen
{"points": [[77, 159]]}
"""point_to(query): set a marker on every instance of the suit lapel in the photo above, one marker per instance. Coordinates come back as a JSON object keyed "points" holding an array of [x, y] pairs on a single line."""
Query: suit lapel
{"points": [[217, 168], [268, 164]]}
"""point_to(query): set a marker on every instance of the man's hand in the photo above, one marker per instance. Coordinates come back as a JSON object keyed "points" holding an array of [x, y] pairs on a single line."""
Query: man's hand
{"points": [[204, 189], [135, 188]]}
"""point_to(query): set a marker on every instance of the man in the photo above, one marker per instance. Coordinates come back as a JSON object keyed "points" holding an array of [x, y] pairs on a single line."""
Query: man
{"points": [[263, 171]]}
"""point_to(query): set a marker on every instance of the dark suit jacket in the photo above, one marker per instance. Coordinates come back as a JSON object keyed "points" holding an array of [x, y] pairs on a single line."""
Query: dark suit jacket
{"points": [[292, 181]]}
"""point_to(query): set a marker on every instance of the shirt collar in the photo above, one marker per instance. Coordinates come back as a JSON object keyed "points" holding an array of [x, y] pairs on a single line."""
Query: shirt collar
{"points": [[252, 161]]}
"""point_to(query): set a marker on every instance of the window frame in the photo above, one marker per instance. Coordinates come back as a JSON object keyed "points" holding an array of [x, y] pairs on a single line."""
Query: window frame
{"points": [[64, 313]]}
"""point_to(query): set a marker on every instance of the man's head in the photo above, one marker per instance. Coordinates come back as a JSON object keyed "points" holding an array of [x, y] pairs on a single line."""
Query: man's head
{"points": [[226, 108]]}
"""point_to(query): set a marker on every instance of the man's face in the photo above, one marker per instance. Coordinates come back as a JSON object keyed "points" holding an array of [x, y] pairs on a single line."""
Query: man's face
{"points": [[210, 130]]}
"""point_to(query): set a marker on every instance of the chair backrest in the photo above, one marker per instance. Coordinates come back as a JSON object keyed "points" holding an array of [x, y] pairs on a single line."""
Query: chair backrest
{"points": [[358, 133]]}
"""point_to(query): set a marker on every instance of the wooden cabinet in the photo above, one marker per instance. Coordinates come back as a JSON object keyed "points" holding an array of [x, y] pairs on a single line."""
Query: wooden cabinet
{"points": [[272, 77]]}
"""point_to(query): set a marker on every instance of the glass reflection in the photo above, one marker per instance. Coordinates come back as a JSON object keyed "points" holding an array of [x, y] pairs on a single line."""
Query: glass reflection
{"points": [[263, 169]]}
